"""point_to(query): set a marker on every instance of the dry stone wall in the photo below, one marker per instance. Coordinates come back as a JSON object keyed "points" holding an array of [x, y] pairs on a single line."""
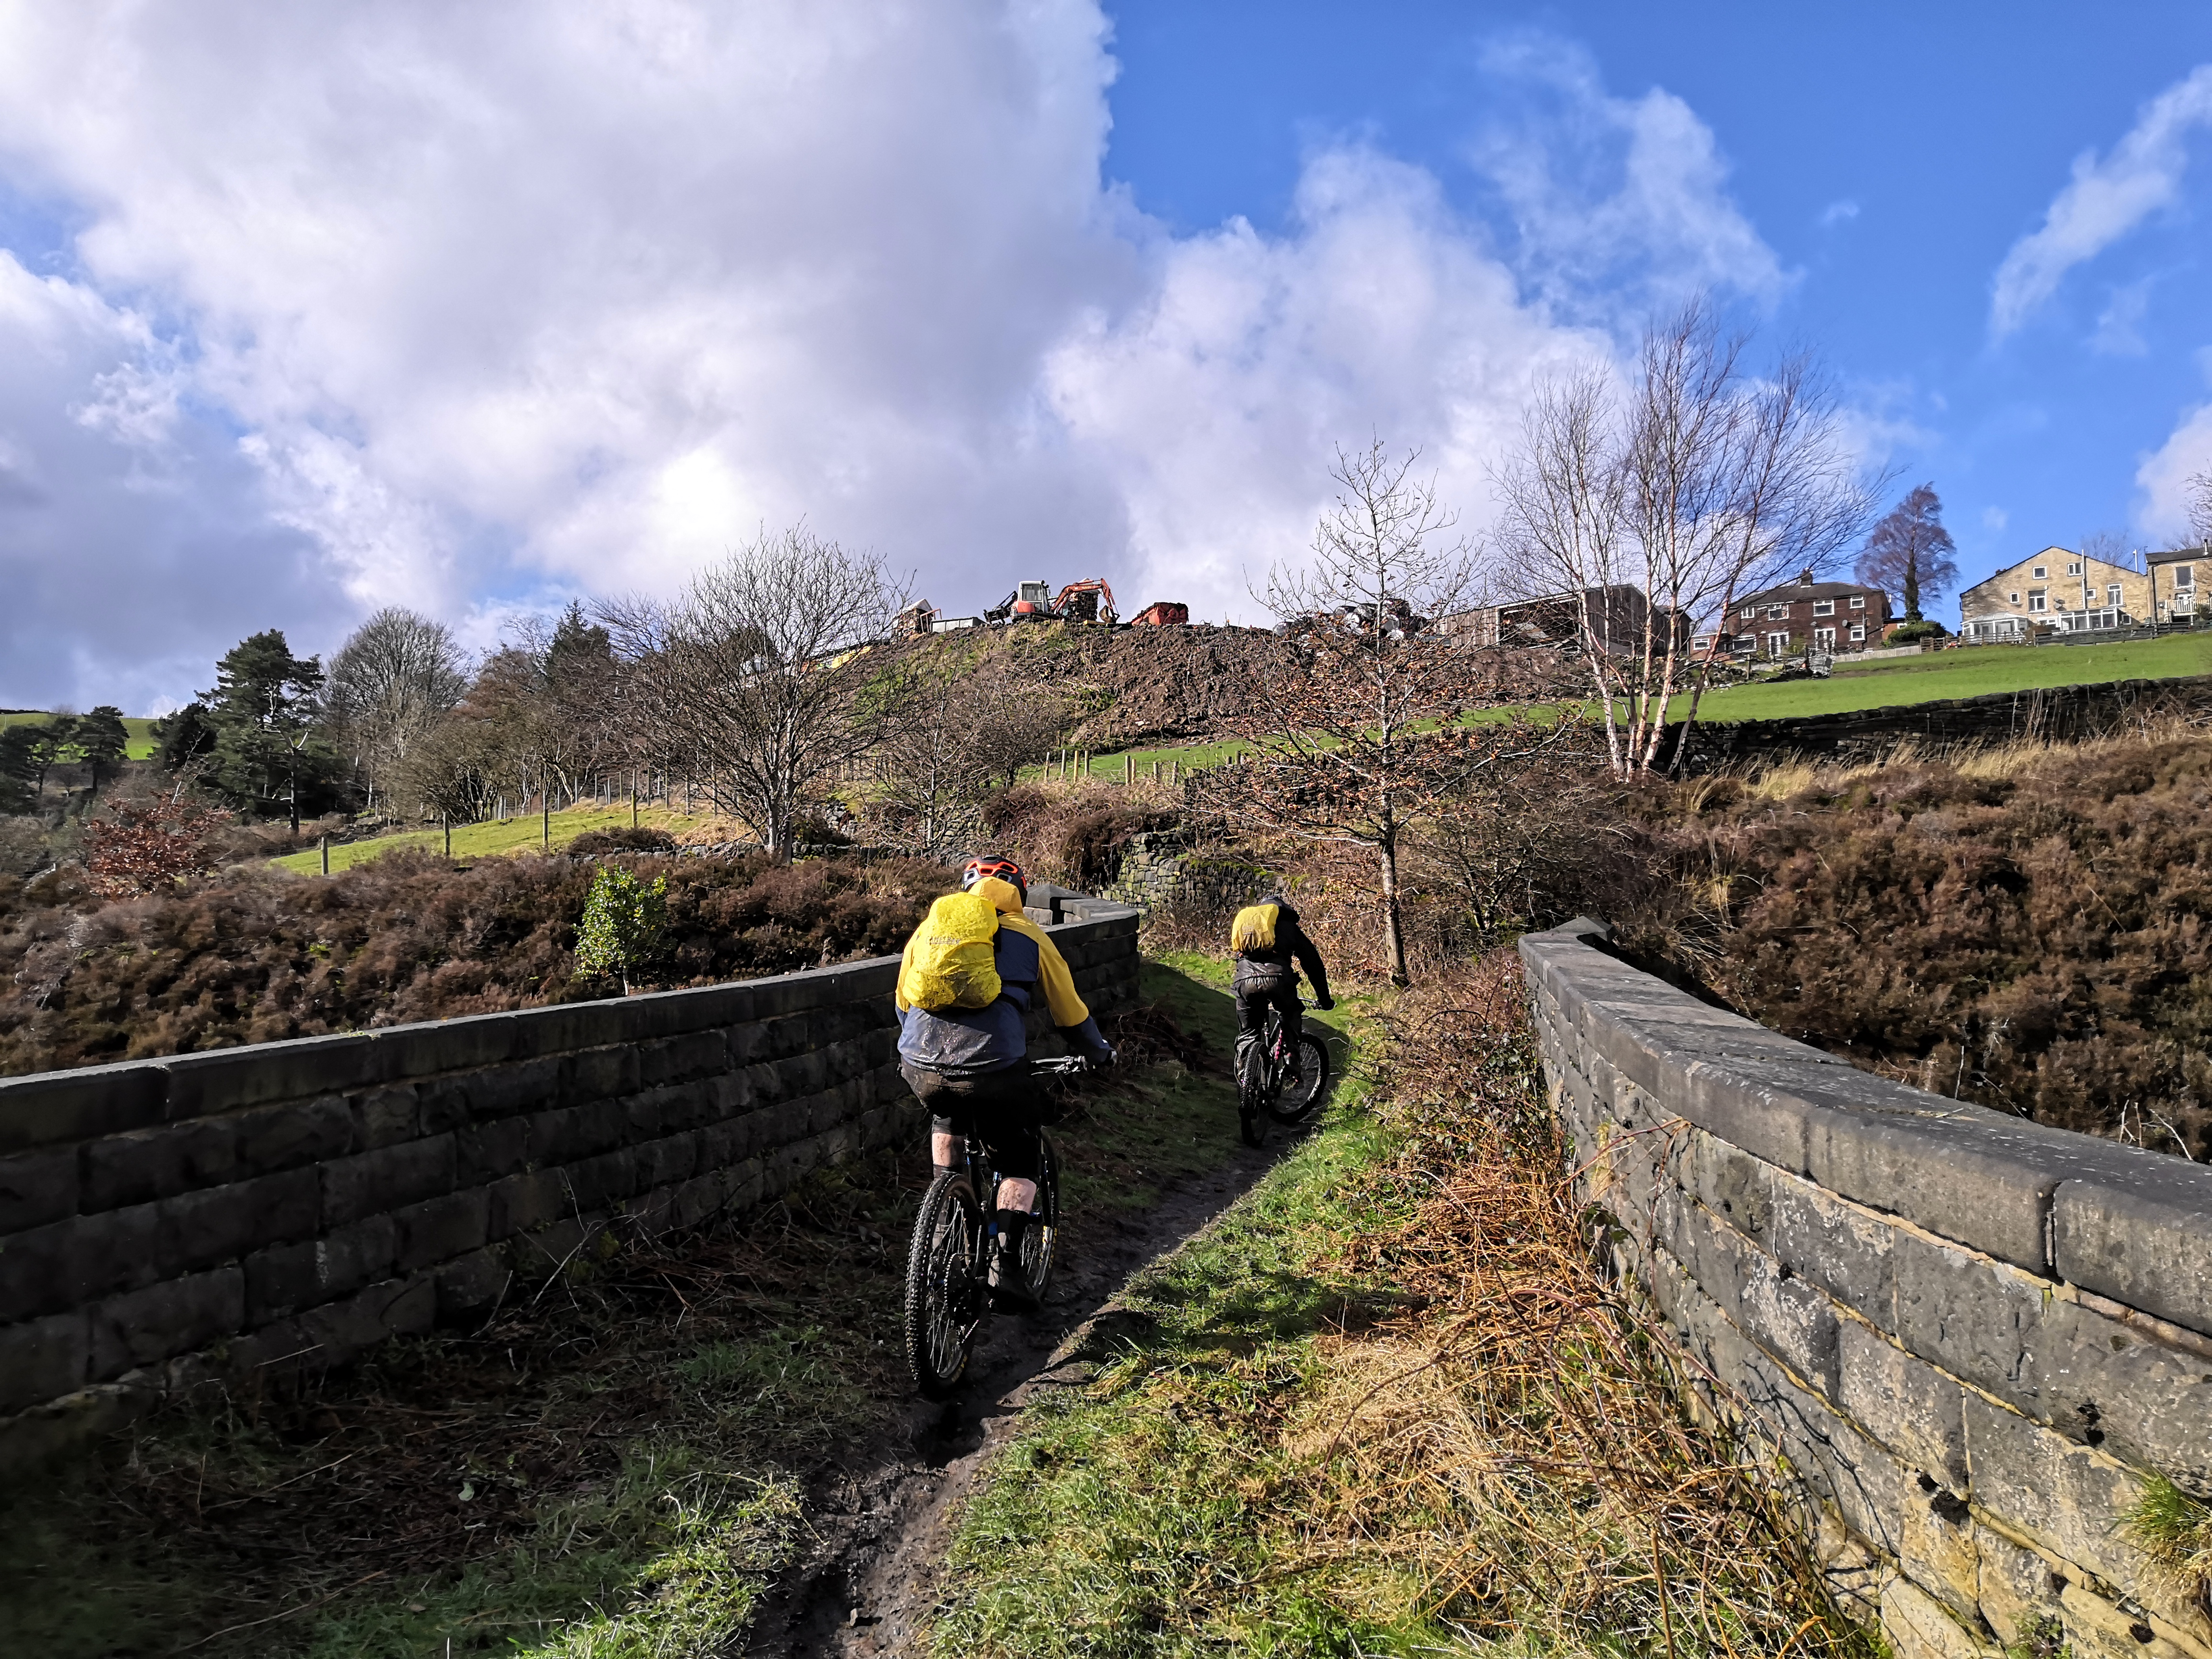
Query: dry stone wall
{"points": [[1973, 1342], [287, 1205]]}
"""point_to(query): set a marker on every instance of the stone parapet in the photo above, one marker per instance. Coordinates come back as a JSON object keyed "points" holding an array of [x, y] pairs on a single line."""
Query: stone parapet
{"points": [[284, 1206], [1971, 1340]]}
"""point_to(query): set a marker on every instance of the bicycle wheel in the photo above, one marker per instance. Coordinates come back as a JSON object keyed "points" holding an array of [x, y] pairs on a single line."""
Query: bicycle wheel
{"points": [[1252, 1083], [1297, 1100], [1041, 1239], [945, 1293]]}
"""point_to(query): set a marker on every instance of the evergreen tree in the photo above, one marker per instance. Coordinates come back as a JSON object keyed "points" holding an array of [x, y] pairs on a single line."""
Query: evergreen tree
{"points": [[102, 741], [16, 768], [184, 737], [268, 756]]}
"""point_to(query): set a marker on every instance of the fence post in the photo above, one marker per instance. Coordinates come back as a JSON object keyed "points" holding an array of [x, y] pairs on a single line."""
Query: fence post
{"points": [[633, 797], [1128, 769], [326, 854], [447, 820], [545, 830]]}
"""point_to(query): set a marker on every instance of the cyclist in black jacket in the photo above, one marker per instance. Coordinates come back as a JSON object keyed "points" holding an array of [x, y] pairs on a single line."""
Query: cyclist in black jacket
{"points": [[1270, 948]]}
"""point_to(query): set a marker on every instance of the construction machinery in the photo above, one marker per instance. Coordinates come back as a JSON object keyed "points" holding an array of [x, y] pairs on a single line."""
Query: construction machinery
{"points": [[1163, 613], [1087, 601]]}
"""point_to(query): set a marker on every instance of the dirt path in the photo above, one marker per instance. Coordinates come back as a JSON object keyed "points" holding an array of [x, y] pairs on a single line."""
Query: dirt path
{"points": [[883, 1517]]}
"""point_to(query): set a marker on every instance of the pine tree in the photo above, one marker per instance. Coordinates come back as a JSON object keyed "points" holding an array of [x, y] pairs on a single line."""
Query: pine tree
{"points": [[268, 755], [102, 741]]}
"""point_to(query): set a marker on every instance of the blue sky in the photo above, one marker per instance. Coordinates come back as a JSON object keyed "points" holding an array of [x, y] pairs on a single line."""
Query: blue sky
{"points": [[476, 309], [1890, 156]]}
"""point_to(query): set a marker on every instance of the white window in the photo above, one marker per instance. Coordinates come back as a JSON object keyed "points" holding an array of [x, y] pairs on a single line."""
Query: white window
{"points": [[1858, 601], [2036, 602], [1824, 607], [2185, 576], [1750, 615], [2041, 573], [1777, 644], [2112, 594], [1858, 633], [2012, 598], [1776, 612], [1824, 639], [2075, 568]]}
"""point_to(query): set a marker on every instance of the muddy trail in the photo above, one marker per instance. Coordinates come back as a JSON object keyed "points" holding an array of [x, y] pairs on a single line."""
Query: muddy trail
{"points": [[883, 1514]]}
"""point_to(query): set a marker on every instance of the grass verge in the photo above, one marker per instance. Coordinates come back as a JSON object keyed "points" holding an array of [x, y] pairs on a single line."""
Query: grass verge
{"points": [[1385, 1404], [499, 837], [614, 1466]]}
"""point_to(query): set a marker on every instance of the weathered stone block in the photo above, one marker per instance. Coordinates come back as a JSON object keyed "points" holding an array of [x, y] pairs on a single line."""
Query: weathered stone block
{"points": [[396, 1307], [599, 1182], [145, 1165], [525, 1086], [597, 1074], [40, 1358], [367, 1183], [280, 1281], [523, 1202], [69, 1262], [2019, 1588], [36, 1187], [223, 1080], [2117, 1385], [729, 1095], [1834, 1244], [147, 1325], [570, 1132], [665, 1162], [2067, 1500], [273, 1138], [386, 1115], [440, 1228], [2098, 1629], [484, 1152], [1918, 1627], [222, 1224], [1903, 1402], [446, 1045], [57, 1108], [698, 1199], [2142, 1236], [470, 1286]]}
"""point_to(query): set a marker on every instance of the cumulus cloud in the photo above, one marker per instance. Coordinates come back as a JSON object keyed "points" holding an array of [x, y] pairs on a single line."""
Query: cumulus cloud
{"points": [[2108, 197], [2163, 478], [1619, 203], [472, 307]]}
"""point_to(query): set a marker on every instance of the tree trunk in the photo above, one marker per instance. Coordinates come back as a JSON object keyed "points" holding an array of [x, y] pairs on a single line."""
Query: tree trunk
{"points": [[1912, 589], [1394, 935]]}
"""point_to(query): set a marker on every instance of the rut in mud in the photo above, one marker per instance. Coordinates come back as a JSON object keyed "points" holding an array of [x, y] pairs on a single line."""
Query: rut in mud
{"points": [[881, 1519]]}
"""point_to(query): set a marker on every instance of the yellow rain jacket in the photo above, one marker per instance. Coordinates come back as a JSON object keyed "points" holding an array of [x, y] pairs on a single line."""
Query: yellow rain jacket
{"points": [[967, 1042]]}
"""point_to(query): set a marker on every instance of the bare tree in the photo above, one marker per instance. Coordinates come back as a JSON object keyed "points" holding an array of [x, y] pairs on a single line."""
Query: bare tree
{"points": [[750, 681], [1909, 551], [389, 684], [1658, 509], [2200, 508], [1361, 727], [948, 732]]}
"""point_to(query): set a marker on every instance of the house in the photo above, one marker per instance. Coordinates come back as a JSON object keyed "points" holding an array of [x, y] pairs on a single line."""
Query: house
{"points": [[1806, 614], [2059, 590], [2175, 579], [1618, 617]]}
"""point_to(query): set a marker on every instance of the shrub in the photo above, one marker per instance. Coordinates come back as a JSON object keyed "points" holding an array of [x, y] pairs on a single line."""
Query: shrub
{"points": [[623, 919], [596, 843]]}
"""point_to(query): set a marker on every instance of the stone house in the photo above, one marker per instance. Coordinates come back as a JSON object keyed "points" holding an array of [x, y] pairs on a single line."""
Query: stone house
{"points": [[1619, 615], [1782, 621], [2058, 589], [2175, 581]]}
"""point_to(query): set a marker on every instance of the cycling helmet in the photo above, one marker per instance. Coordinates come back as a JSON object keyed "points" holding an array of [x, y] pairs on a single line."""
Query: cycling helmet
{"points": [[1004, 869]]}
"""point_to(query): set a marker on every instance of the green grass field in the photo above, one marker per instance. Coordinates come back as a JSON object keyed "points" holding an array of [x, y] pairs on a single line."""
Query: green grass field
{"points": [[495, 837], [1972, 672], [143, 746]]}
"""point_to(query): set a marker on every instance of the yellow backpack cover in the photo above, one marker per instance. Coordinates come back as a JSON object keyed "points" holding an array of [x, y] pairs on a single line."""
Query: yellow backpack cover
{"points": [[1253, 928], [951, 964]]}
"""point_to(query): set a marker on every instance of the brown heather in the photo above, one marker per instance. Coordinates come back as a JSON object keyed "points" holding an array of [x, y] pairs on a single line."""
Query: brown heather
{"points": [[256, 955], [2029, 928]]}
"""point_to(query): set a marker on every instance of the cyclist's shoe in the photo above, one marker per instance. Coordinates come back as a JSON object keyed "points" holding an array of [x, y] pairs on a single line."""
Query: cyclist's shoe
{"points": [[1009, 1285]]}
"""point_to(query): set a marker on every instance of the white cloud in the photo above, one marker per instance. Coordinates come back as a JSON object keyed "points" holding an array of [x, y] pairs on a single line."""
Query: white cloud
{"points": [[1995, 519], [2119, 325], [1839, 213], [1620, 203], [471, 307], [2107, 198], [2162, 510]]}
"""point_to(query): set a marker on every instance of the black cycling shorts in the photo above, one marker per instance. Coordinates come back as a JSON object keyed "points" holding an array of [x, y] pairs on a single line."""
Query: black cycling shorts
{"points": [[1000, 1109]]}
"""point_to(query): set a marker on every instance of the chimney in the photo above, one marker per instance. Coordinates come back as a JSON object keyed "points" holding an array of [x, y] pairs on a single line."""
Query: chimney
{"points": [[1806, 576]]}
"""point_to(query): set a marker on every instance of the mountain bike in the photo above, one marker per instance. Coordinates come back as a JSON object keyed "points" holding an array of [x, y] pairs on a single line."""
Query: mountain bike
{"points": [[948, 1267], [1264, 1090]]}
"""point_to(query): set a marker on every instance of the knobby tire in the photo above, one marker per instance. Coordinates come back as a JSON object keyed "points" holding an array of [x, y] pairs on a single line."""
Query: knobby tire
{"points": [[944, 1292], [1295, 1105]]}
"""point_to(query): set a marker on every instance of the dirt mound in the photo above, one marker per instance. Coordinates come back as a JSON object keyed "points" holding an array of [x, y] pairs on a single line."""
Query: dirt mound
{"points": [[1136, 686]]}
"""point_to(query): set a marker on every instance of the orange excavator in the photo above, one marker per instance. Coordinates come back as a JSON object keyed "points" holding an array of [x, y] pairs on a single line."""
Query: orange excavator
{"points": [[1088, 601]]}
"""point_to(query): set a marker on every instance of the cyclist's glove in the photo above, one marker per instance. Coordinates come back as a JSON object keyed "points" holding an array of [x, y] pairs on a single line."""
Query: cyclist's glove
{"points": [[1089, 1038]]}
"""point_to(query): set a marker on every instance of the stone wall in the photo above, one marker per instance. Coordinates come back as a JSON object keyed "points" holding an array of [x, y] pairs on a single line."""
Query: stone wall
{"points": [[2063, 712], [1971, 1340], [287, 1205], [1160, 869]]}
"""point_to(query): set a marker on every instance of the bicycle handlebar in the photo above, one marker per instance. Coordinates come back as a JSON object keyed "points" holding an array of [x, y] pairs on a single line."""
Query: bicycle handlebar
{"points": [[1064, 1066]]}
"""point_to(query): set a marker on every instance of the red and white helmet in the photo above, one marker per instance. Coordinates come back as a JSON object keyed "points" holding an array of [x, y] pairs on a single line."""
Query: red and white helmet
{"points": [[1005, 869]]}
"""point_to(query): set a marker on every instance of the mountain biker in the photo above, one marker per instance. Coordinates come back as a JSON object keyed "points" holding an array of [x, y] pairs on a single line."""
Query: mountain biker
{"points": [[1270, 948], [970, 1067]]}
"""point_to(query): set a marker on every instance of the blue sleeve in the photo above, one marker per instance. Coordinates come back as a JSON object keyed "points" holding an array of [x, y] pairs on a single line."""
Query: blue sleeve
{"points": [[1088, 1037]]}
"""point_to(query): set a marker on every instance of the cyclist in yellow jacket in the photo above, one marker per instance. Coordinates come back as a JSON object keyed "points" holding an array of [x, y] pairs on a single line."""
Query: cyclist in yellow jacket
{"points": [[970, 1067], [1270, 947]]}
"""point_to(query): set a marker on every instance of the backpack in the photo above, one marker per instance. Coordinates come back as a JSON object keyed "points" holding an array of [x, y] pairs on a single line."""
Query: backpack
{"points": [[1253, 928], [952, 964]]}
